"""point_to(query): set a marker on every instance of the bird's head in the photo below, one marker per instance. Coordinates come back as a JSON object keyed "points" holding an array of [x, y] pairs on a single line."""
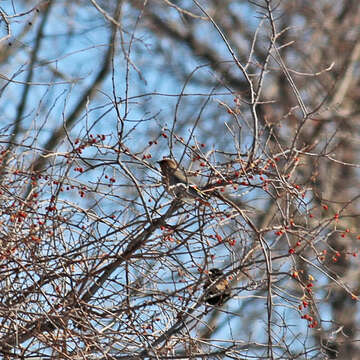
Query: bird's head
{"points": [[168, 163], [215, 273]]}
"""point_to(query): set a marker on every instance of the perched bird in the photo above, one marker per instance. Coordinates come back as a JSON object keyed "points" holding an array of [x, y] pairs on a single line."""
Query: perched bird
{"points": [[217, 291], [177, 183]]}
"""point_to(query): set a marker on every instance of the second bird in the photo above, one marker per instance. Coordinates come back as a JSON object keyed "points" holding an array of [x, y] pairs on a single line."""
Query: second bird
{"points": [[177, 183]]}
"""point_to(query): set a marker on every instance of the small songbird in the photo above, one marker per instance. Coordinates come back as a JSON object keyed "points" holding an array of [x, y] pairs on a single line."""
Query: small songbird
{"points": [[177, 183], [217, 291]]}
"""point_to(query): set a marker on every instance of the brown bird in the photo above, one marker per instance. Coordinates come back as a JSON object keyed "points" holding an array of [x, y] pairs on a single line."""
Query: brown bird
{"points": [[217, 291], [177, 183]]}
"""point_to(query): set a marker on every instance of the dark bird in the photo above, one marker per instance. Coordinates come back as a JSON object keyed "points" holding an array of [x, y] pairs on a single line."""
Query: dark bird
{"points": [[177, 182], [216, 291]]}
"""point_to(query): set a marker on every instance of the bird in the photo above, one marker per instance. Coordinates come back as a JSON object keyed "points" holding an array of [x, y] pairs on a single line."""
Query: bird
{"points": [[177, 182], [216, 291]]}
